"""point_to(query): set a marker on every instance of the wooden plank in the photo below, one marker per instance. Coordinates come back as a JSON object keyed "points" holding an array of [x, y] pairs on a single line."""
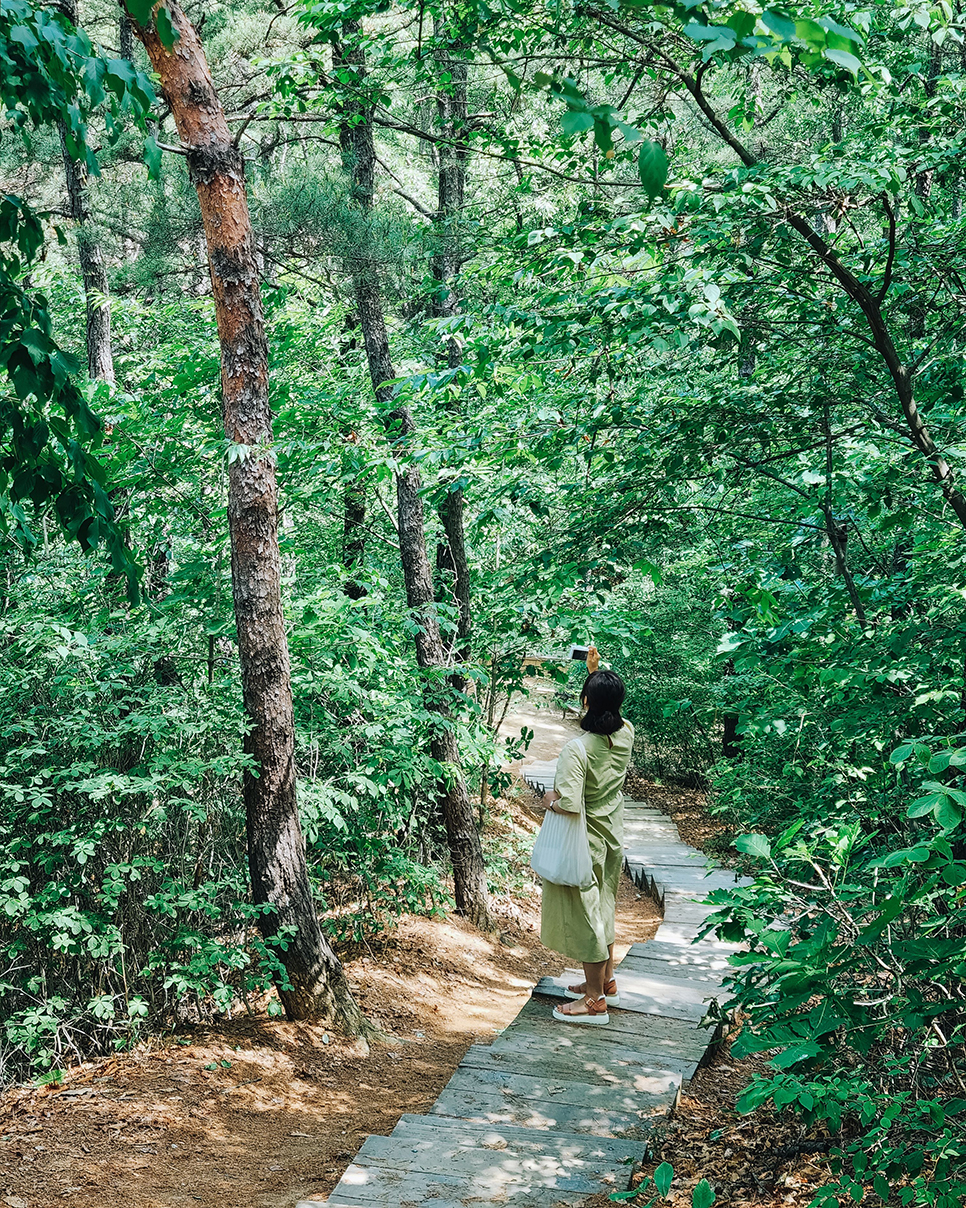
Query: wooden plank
{"points": [[698, 956], [659, 858], [613, 1066], [434, 1138], [497, 1109], [650, 1034], [711, 978], [540, 1088], [675, 998], [576, 1051], [382, 1186]]}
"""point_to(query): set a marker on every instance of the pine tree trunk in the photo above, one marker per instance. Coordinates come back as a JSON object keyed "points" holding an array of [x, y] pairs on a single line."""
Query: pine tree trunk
{"points": [[469, 874], [125, 35], [317, 986], [453, 113], [353, 494], [100, 361]]}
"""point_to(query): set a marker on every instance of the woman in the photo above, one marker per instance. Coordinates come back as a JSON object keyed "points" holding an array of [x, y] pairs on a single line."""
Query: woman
{"points": [[580, 922]]}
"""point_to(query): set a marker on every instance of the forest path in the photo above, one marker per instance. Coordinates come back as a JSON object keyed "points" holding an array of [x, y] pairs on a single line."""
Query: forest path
{"points": [[551, 1113]]}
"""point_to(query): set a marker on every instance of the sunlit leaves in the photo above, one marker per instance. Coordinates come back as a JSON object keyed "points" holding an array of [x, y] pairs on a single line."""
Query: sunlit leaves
{"points": [[754, 845]]}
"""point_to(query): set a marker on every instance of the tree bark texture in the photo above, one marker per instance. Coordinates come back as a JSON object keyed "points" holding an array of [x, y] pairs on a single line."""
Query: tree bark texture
{"points": [[276, 848], [125, 35], [100, 359], [469, 874], [353, 497], [453, 114]]}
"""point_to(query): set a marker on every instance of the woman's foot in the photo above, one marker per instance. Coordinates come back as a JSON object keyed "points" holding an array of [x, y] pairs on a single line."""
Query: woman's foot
{"points": [[586, 1010], [610, 992]]}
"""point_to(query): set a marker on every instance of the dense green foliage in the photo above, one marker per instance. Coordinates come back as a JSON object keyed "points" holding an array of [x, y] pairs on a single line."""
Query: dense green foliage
{"points": [[710, 281]]}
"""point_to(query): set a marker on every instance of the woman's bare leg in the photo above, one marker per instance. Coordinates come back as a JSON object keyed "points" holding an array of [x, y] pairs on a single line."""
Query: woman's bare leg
{"points": [[594, 979], [607, 966], [593, 988]]}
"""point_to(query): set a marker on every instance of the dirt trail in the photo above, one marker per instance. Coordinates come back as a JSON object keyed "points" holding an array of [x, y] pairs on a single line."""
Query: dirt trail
{"points": [[541, 714]]}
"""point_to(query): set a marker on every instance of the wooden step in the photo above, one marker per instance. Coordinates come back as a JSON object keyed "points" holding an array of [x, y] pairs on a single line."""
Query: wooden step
{"points": [[495, 1107], [673, 998], [650, 1035], [444, 1161], [615, 1067], [549, 1091]]}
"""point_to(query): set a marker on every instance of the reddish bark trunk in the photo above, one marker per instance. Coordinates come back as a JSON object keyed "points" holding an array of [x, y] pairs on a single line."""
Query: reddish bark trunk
{"points": [[317, 987]]}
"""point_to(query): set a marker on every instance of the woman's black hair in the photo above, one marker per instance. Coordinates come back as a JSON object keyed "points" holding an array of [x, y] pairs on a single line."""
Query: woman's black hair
{"points": [[603, 694]]}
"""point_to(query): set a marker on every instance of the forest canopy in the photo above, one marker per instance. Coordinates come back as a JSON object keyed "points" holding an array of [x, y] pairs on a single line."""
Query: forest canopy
{"points": [[358, 356]]}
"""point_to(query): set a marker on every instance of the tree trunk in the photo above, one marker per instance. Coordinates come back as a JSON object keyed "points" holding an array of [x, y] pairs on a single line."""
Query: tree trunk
{"points": [[100, 361], [316, 987], [469, 875], [125, 35], [453, 112], [353, 495]]}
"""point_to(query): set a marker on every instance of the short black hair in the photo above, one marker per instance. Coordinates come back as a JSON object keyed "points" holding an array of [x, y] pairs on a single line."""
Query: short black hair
{"points": [[603, 693]]}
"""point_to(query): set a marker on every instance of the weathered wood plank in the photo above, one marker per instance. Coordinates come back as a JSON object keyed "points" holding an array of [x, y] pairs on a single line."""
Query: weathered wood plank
{"points": [[386, 1187], [613, 1066], [551, 1090], [710, 978], [497, 1109], [653, 1035], [674, 998], [699, 956]]}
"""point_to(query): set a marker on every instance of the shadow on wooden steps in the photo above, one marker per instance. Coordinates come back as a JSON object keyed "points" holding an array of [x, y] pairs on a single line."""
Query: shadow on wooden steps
{"points": [[550, 1113]]}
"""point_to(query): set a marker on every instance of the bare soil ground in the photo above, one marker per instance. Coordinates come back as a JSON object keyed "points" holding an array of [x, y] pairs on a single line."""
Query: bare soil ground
{"points": [[258, 1113]]}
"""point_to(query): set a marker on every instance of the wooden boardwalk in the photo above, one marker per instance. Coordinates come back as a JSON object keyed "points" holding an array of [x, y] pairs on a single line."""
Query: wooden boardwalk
{"points": [[551, 1113]]}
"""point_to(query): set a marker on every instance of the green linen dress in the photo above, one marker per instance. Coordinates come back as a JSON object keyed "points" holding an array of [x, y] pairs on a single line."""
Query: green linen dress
{"points": [[579, 923]]}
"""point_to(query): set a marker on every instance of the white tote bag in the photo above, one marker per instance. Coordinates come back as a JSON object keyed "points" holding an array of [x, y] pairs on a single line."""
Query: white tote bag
{"points": [[561, 853]]}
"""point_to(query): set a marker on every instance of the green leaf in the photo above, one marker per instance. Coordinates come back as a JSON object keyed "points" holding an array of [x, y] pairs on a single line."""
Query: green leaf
{"points": [[810, 32], [703, 1195], [796, 1053], [754, 845], [575, 122], [844, 59], [950, 813], [652, 168], [905, 855], [779, 24], [152, 157], [166, 31], [140, 10], [923, 805], [663, 1177], [631, 133]]}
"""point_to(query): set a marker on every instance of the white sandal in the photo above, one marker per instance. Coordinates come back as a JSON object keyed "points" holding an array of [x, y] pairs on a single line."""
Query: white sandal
{"points": [[596, 1014]]}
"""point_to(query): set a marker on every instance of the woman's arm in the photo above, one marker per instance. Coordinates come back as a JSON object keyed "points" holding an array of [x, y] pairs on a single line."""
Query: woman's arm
{"points": [[569, 781]]}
